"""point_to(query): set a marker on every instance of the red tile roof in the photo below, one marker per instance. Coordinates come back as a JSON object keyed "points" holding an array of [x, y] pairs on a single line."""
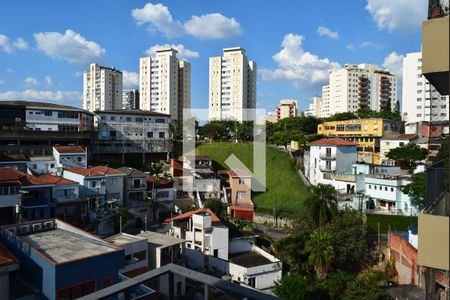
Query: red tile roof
{"points": [[70, 149], [10, 176], [407, 136], [159, 183], [332, 142], [48, 179], [85, 172], [214, 218], [6, 257], [107, 170]]}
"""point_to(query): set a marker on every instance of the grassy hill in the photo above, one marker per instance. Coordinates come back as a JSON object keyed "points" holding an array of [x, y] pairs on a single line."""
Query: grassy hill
{"points": [[285, 189]]}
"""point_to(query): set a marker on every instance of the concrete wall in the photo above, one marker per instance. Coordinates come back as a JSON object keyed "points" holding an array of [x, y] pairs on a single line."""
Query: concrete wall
{"points": [[406, 260], [239, 245]]}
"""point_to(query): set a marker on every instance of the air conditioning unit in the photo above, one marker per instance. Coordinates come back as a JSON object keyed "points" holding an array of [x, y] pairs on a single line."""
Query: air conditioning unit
{"points": [[49, 225], [37, 227], [25, 229]]}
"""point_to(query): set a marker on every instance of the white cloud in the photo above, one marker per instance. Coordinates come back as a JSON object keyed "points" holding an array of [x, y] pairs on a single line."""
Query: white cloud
{"points": [[399, 15], [11, 46], [324, 31], [130, 80], [363, 45], [183, 52], [301, 67], [48, 80], [78, 74], [213, 26], [208, 26], [394, 64], [69, 46], [30, 81], [30, 94]]}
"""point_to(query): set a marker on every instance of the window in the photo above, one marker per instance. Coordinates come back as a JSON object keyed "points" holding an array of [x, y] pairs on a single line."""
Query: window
{"points": [[162, 135], [241, 194], [392, 189], [114, 181], [150, 134], [370, 186], [76, 291], [79, 158], [136, 183], [47, 113], [94, 184]]}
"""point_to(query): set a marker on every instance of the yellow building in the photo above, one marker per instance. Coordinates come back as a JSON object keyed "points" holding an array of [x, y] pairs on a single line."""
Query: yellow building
{"points": [[366, 133]]}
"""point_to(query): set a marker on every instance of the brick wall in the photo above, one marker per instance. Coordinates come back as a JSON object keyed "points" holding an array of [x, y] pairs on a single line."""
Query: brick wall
{"points": [[405, 259]]}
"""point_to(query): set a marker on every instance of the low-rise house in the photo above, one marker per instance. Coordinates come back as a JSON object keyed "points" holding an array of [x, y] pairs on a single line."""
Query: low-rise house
{"points": [[10, 185], [327, 157], [208, 247], [163, 250], [237, 191], [135, 193], [39, 165], [93, 187], [389, 143], [191, 162], [135, 252], [162, 194], [15, 161], [384, 193], [114, 183], [70, 156], [62, 261]]}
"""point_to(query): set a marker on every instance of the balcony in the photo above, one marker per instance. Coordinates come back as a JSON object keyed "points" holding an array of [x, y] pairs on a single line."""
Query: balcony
{"points": [[327, 156], [435, 46]]}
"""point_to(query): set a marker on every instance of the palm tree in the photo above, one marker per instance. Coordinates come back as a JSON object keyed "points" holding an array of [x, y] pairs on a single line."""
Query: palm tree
{"points": [[321, 253], [322, 204]]}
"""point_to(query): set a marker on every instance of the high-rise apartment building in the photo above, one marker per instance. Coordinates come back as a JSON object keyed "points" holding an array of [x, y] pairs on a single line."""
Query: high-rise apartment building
{"points": [[102, 88], [232, 85], [324, 110], [286, 109], [165, 83], [130, 99], [314, 107], [420, 101], [363, 86]]}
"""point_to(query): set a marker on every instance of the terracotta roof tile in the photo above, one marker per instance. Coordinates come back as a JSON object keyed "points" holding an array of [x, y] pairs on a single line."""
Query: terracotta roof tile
{"points": [[332, 142], [85, 172], [6, 257], [188, 214], [48, 179], [161, 183], [70, 149], [11, 176]]}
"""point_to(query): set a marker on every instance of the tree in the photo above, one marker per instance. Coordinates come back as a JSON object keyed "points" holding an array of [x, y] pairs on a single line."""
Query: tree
{"points": [[342, 116], [349, 233], [244, 132], [410, 153], [155, 168], [321, 252], [365, 287], [322, 204], [283, 138], [214, 130], [416, 189], [215, 205], [337, 283], [291, 251], [176, 129], [126, 215], [293, 287]]}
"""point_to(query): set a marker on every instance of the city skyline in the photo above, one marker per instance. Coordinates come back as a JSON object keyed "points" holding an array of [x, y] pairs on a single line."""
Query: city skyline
{"points": [[44, 59]]}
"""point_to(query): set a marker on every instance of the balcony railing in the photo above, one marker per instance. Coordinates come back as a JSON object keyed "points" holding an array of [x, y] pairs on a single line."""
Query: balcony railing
{"points": [[327, 156], [438, 8]]}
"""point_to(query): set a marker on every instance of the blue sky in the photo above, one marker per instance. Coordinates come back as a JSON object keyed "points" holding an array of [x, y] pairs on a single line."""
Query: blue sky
{"points": [[45, 45]]}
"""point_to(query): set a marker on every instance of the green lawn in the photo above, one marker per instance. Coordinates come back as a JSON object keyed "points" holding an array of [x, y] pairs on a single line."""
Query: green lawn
{"points": [[284, 186], [401, 223]]}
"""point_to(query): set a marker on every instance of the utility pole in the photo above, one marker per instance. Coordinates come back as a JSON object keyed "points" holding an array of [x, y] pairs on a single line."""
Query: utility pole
{"points": [[120, 224]]}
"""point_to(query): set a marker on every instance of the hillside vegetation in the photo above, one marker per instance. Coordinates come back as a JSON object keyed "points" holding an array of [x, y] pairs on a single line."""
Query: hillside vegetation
{"points": [[285, 190]]}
